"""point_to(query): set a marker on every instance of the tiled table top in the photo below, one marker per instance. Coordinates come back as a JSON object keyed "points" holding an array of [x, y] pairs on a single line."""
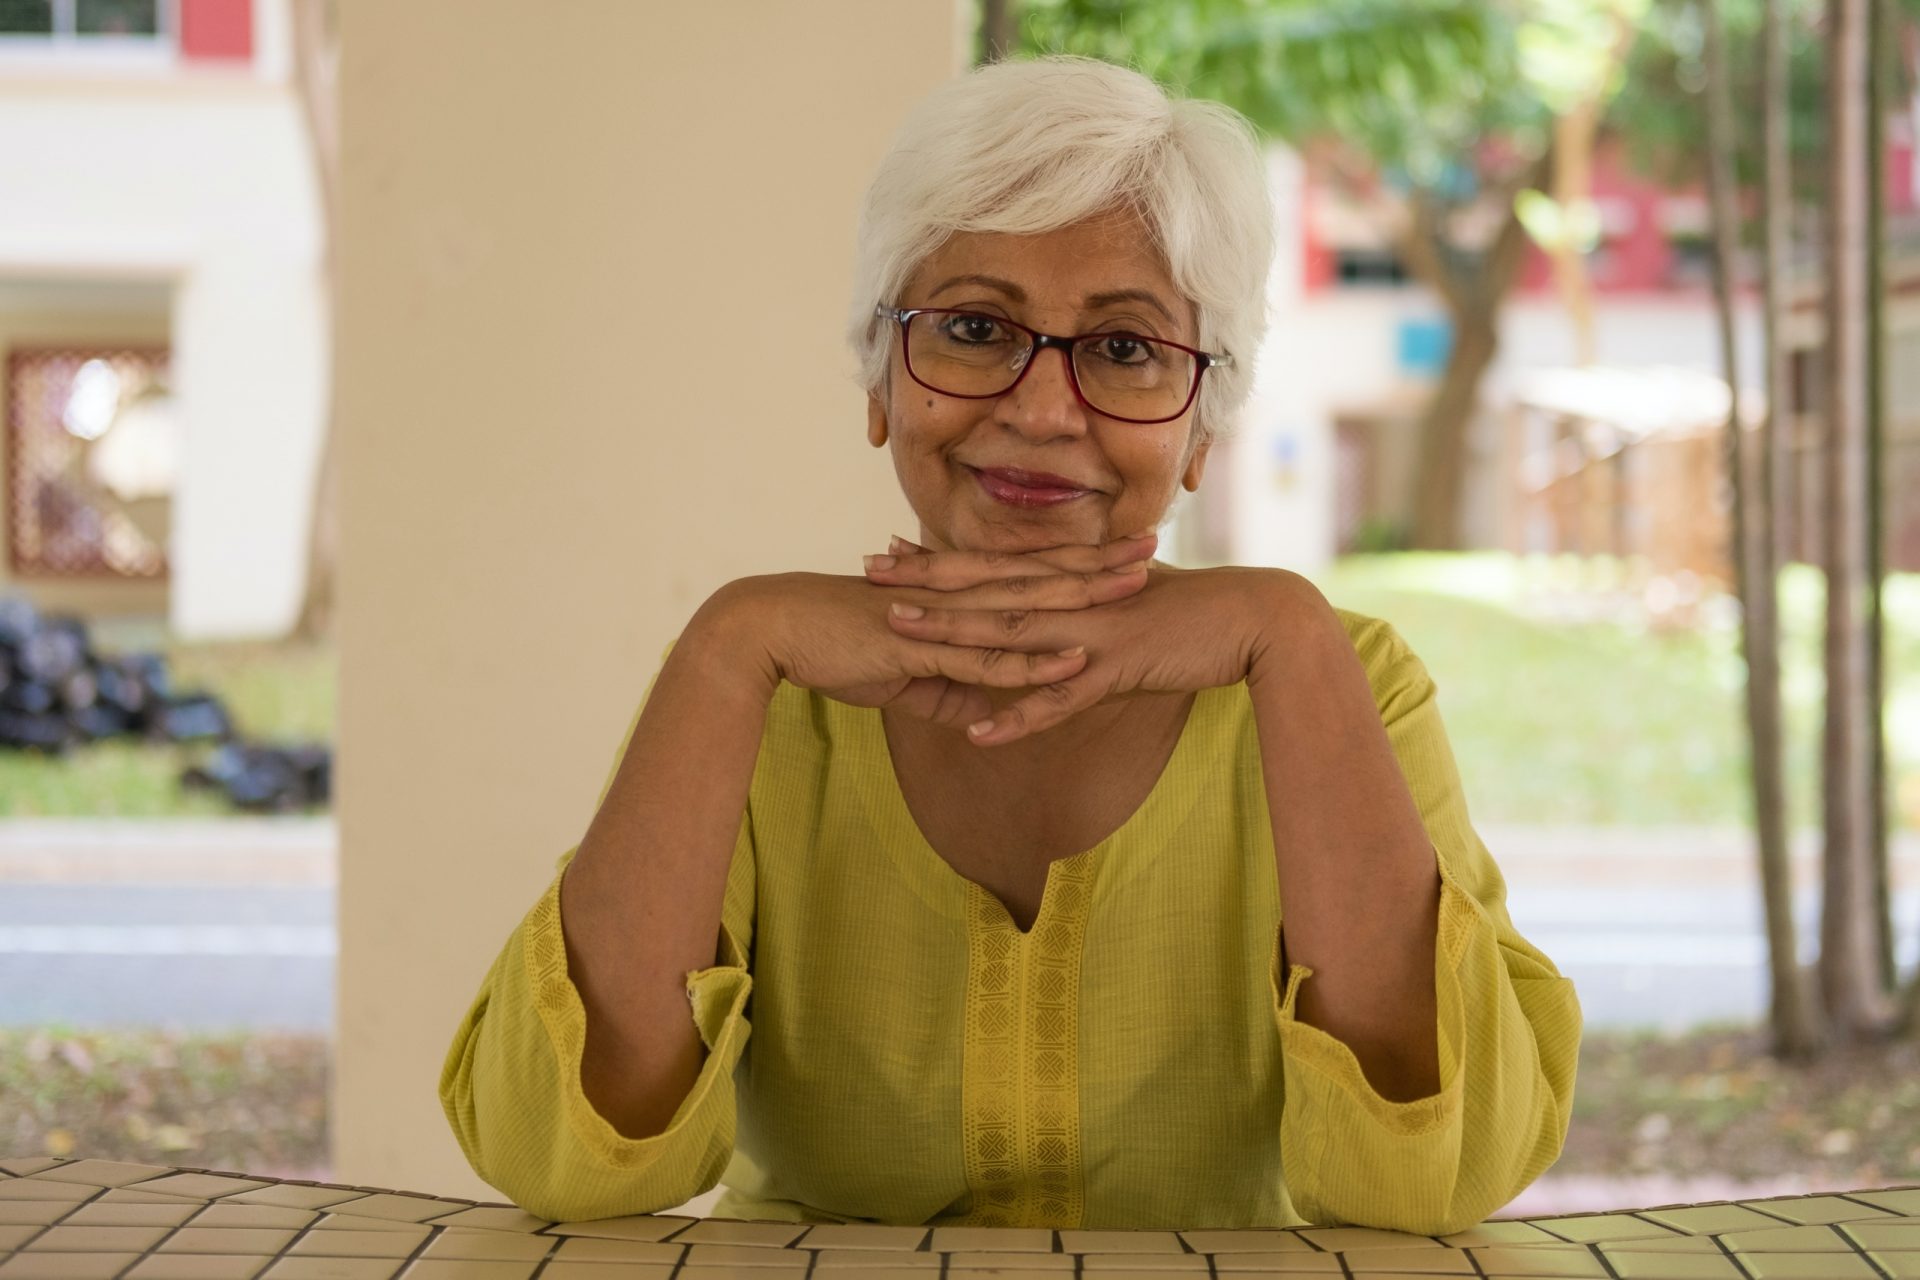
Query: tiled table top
{"points": [[102, 1220]]}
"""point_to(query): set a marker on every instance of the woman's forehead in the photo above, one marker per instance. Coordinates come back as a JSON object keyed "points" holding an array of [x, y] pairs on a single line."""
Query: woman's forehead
{"points": [[1089, 266]]}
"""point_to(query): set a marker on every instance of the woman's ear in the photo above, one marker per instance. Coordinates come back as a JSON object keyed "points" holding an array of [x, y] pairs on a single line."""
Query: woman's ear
{"points": [[1196, 465], [876, 421]]}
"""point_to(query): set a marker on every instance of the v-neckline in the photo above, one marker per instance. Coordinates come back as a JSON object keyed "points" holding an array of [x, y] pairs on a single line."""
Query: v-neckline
{"points": [[894, 799]]}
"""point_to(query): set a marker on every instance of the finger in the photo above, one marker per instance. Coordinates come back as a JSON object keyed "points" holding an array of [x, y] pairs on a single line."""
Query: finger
{"points": [[1055, 591], [943, 701], [1040, 710], [995, 668], [955, 570], [1027, 630]]}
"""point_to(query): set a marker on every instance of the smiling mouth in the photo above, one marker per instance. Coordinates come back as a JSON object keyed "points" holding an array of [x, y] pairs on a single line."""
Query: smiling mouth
{"points": [[1015, 488]]}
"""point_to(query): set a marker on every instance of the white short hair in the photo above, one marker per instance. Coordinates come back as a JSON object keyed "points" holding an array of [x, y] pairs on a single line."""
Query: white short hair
{"points": [[1031, 145]]}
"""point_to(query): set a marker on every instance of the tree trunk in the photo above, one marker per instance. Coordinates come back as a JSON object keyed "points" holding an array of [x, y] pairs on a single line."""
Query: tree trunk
{"points": [[1473, 295], [1878, 36], [315, 65], [999, 29], [1850, 964], [1792, 1018]]}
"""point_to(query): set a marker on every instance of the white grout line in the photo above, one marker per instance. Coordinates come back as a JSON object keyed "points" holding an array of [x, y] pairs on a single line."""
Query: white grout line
{"points": [[168, 940]]}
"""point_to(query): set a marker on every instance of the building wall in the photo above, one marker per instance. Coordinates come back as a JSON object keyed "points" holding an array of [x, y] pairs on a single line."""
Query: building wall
{"points": [[563, 235], [194, 177]]}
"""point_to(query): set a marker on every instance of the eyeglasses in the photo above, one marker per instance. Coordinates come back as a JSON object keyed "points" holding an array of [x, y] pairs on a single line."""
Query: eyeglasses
{"points": [[975, 355]]}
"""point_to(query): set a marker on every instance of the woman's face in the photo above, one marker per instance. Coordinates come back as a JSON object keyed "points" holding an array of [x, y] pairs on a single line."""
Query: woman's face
{"points": [[941, 443]]}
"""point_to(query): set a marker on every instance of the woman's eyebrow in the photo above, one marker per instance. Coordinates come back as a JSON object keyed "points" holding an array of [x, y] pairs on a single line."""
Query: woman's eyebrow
{"points": [[1091, 302]]}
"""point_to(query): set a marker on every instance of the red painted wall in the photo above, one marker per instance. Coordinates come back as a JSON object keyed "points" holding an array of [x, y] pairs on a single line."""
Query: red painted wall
{"points": [[216, 30]]}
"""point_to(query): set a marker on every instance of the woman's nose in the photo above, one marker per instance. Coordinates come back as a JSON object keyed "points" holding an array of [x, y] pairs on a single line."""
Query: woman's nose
{"points": [[1043, 403]]}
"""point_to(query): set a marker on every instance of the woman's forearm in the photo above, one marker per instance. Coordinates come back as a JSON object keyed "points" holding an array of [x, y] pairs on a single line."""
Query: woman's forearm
{"points": [[1359, 885], [641, 902]]}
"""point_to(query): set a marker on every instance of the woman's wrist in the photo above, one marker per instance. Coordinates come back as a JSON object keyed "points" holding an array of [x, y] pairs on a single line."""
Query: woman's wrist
{"points": [[729, 636]]}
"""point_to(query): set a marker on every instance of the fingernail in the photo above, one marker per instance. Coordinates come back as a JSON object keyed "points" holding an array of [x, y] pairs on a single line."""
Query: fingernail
{"points": [[898, 546], [879, 562], [1074, 652], [1132, 566], [907, 611], [980, 728]]}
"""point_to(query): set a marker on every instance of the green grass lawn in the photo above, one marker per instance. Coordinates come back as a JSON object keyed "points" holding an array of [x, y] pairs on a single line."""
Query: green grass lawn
{"points": [[1610, 723], [275, 693], [1551, 722]]}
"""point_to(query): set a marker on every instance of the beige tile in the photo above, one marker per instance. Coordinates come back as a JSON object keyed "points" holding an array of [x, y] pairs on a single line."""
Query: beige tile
{"points": [[1538, 1260], [1787, 1240], [226, 1240], [1597, 1228], [1499, 1233], [1284, 1261], [1402, 1262], [354, 1222], [1818, 1210], [35, 1189], [1674, 1266], [1112, 1263], [64, 1239], [873, 1268], [130, 1215], [1672, 1244], [38, 1213], [489, 1246], [251, 1215], [103, 1173], [1017, 1273], [875, 1258], [354, 1244], [992, 1239], [134, 1195], [397, 1208], [492, 1219], [590, 1249], [1245, 1240], [336, 1269], [644, 1227], [773, 1235], [1901, 1265], [467, 1269], [715, 1255], [290, 1197], [198, 1266], [863, 1235], [201, 1186], [1711, 1219], [1144, 1273], [557, 1270], [1341, 1238], [731, 1272], [12, 1236], [1901, 1233], [1120, 1242], [1807, 1266], [1003, 1260], [22, 1166], [1901, 1200], [65, 1266]]}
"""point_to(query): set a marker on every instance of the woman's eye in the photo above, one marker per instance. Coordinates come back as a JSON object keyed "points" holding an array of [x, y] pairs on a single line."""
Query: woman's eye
{"points": [[1124, 350], [971, 328]]}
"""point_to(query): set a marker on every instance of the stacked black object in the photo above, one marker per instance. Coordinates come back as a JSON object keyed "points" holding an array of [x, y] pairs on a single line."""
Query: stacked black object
{"points": [[57, 693]]}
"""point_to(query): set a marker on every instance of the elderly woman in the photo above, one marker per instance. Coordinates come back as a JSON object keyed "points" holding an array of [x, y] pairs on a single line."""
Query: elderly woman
{"points": [[997, 834]]}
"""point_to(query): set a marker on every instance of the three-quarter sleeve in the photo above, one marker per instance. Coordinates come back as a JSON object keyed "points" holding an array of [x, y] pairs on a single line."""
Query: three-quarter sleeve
{"points": [[1508, 1028], [511, 1089]]}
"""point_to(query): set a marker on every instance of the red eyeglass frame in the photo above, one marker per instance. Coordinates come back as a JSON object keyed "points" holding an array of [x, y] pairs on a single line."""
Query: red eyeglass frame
{"points": [[1203, 360]]}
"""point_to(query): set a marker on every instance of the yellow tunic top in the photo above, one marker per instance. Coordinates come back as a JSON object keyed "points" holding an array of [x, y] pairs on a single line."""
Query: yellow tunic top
{"points": [[884, 1044]]}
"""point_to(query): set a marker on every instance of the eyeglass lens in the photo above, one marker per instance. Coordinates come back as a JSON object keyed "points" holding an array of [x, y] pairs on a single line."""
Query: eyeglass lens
{"points": [[975, 354]]}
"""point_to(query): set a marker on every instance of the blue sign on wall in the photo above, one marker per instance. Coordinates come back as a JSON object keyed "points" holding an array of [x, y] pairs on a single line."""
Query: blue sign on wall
{"points": [[1424, 344]]}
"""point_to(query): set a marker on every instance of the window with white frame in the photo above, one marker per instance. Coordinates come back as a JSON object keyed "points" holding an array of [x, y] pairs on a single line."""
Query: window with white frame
{"points": [[83, 24]]}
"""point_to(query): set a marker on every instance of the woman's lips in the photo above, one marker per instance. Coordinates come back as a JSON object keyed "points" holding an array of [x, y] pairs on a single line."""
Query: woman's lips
{"points": [[1017, 488]]}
